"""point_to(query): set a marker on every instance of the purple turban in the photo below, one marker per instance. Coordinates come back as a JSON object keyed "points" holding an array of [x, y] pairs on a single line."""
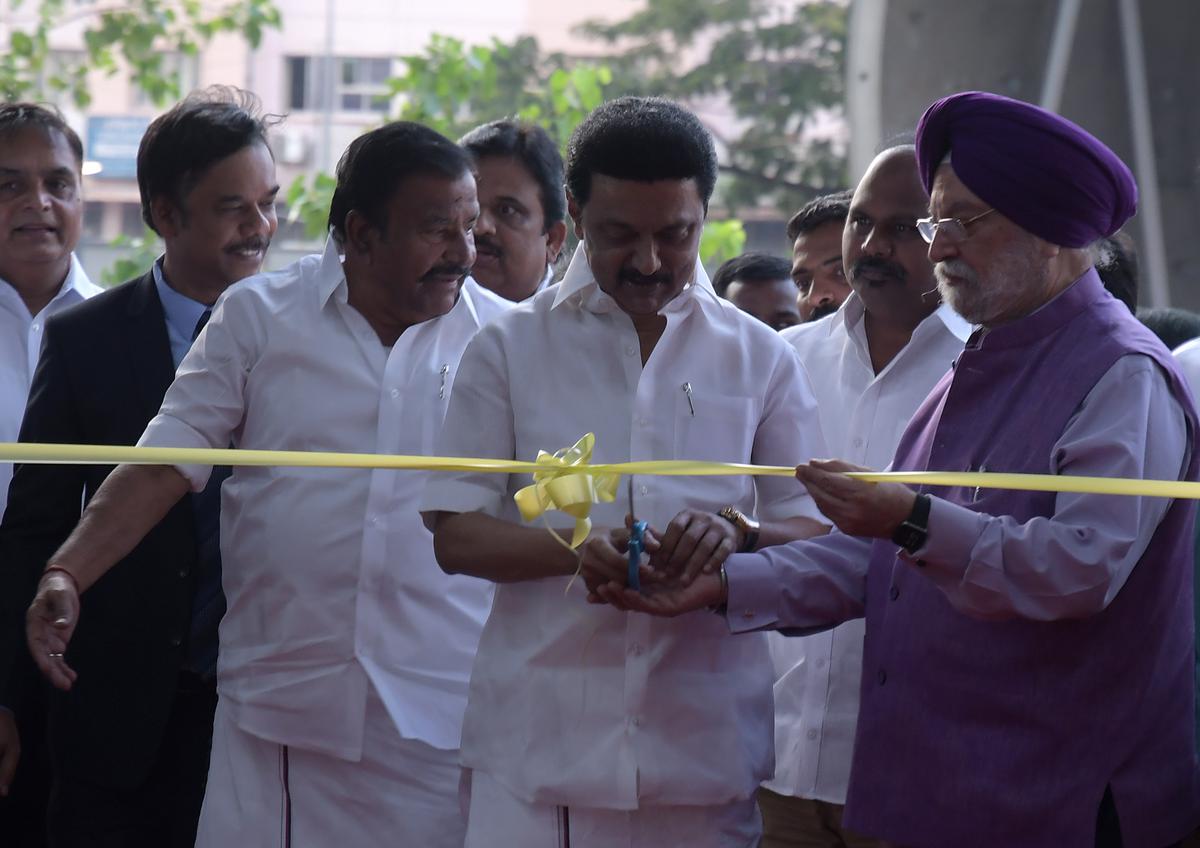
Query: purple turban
{"points": [[1039, 170]]}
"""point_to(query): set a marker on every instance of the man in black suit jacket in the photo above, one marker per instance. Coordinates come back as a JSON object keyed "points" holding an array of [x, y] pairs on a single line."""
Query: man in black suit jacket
{"points": [[130, 742]]}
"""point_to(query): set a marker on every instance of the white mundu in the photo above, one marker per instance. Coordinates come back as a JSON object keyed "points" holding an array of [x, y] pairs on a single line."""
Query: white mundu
{"points": [[346, 651], [863, 415], [585, 706]]}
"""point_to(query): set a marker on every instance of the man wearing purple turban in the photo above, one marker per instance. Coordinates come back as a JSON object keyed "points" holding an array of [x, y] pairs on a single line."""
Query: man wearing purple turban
{"points": [[1028, 664]]}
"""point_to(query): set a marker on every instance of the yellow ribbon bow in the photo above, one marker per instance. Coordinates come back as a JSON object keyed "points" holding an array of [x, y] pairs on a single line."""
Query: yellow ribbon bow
{"points": [[558, 485]]}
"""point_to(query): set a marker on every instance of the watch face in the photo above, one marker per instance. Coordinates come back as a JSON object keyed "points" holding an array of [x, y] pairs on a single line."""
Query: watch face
{"points": [[909, 537]]}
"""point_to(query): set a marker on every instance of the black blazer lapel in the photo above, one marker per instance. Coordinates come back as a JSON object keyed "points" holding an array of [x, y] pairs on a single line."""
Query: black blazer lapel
{"points": [[148, 346]]}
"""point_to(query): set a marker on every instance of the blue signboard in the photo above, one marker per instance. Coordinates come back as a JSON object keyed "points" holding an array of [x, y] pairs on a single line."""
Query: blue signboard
{"points": [[113, 142]]}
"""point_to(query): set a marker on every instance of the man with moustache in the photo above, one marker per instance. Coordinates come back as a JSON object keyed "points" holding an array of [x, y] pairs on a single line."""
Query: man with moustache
{"points": [[120, 775], [1028, 666], [345, 650], [41, 213], [586, 725], [816, 236], [759, 285], [522, 209], [871, 365]]}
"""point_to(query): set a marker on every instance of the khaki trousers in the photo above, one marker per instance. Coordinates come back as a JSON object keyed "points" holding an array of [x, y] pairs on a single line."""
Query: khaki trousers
{"points": [[804, 823]]}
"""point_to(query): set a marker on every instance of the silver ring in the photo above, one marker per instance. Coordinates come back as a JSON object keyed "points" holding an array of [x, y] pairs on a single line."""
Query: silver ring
{"points": [[54, 655]]}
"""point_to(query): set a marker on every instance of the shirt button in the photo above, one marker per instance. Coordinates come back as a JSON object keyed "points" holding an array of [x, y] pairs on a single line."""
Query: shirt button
{"points": [[858, 443], [881, 677], [812, 734], [374, 520], [183, 572], [37, 328], [395, 393], [637, 721], [636, 650], [643, 422], [176, 641], [630, 350], [643, 490], [894, 593]]}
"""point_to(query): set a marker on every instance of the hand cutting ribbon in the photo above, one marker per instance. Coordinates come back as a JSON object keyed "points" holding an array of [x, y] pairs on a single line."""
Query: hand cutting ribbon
{"points": [[560, 483]]}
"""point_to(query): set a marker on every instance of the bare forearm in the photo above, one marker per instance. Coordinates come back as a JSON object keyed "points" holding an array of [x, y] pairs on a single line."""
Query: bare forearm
{"points": [[789, 530], [479, 545], [132, 500]]}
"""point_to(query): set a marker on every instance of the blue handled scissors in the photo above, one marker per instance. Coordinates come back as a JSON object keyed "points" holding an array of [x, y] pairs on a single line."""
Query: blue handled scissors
{"points": [[637, 544]]}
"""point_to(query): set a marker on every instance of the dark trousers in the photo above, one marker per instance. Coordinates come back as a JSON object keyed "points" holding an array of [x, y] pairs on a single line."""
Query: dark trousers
{"points": [[1108, 825], [23, 812], [160, 813]]}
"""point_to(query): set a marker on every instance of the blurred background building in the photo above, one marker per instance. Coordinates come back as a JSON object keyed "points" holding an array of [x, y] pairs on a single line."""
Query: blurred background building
{"points": [[1127, 71], [856, 73]]}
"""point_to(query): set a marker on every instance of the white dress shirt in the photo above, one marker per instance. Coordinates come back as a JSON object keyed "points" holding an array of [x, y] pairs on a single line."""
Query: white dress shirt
{"points": [[863, 415], [586, 705], [1188, 357], [330, 576], [20, 347]]}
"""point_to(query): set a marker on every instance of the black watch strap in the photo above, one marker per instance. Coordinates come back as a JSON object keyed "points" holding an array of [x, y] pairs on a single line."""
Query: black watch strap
{"points": [[914, 530]]}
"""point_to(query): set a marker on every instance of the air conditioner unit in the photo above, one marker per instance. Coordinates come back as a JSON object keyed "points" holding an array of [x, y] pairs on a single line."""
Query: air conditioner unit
{"points": [[292, 147]]}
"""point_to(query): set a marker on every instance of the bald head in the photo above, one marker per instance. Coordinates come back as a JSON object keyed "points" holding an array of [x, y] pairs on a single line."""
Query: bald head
{"points": [[886, 260]]}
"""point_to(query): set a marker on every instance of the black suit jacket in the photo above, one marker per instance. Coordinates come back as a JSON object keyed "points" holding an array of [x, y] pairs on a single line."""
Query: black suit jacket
{"points": [[101, 377]]}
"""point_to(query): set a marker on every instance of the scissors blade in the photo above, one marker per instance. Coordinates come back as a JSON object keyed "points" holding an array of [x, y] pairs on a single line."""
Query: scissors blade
{"points": [[636, 543]]}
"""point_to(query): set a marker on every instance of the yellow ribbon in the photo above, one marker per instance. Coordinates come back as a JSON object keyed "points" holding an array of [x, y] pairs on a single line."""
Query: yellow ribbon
{"points": [[558, 468], [560, 484]]}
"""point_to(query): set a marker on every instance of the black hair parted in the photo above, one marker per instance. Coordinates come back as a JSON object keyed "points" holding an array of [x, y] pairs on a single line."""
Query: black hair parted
{"points": [[199, 131], [19, 116], [535, 150], [751, 268], [376, 162], [644, 139], [819, 211]]}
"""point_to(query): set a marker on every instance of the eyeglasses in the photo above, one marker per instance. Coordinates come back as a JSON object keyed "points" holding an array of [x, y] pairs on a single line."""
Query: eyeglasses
{"points": [[953, 229]]}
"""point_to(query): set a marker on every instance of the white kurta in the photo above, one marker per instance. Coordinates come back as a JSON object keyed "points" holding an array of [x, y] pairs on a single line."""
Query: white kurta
{"points": [[332, 587], [582, 705], [863, 415]]}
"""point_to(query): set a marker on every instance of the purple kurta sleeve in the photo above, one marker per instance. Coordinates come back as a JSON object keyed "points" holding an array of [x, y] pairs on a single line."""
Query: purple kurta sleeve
{"points": [[1073, 563], [803, 586]]}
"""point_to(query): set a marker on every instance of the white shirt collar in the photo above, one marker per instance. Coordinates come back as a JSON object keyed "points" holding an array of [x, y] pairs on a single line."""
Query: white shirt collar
{"points": [[77, 280], [850, 315], [75, 286], [579, 280], [331, 276]]}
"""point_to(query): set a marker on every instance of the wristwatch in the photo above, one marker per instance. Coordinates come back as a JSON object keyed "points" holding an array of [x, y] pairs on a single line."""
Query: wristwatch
{"points": [[914, 530], [745, 523]]}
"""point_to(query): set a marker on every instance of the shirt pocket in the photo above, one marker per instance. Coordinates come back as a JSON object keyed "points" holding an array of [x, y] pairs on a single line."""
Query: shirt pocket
{"points": [[716, 428]]}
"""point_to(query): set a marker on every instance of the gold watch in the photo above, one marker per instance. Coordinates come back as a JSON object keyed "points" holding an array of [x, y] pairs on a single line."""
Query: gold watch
{"points": [[745, 523]]}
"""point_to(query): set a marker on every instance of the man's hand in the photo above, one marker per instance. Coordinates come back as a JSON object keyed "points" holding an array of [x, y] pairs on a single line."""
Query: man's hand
{"points": [[10, 750], [605, 559], [871, 510], [49, 625], [695, 542], [668, 599]]}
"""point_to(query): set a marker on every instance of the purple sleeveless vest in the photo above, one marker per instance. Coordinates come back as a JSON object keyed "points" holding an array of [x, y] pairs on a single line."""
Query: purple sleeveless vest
{"points": [[985, 733]]}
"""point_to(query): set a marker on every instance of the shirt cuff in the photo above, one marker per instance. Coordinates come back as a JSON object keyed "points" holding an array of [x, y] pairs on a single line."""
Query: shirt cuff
{"points": [[953, 532], [165, 431], [753, 599], [459, 495]]}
